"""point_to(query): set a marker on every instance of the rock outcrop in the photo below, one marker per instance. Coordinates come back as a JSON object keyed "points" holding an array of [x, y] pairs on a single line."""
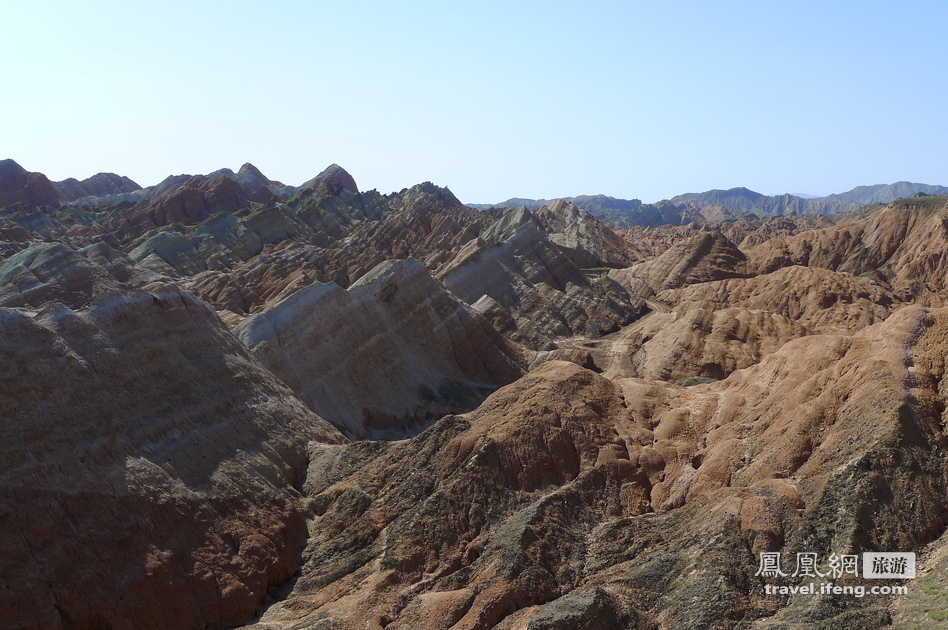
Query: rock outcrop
{"points": [[317, 236], [14, 238], [150, 482], [582, 237], [255, 185], [393, 352], [820, 299], [705, 256], [17, 185], [902, 244], [698, 342], [544, 292], [52, 272]]}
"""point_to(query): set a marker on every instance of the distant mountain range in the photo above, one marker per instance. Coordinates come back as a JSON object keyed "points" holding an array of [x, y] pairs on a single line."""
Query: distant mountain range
{"points": [[17, 185], [721, 205]]}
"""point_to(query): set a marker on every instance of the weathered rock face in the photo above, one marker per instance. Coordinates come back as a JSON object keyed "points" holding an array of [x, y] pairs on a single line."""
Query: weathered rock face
{"points": [[150, 483], [169, 252], [546, 294], [749, 232], [121, 266], [568, 500], [48, 272], [424, 222], [392, 352], [252, 188], [263, 281], [484, 521], [710, 329], [705, 256], [699, 342], [582, 237], [17, 185], [819, 299], [256, 186]]}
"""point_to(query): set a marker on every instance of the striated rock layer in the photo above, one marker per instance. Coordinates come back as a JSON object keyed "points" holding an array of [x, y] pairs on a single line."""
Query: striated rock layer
{"points": [[147, 478], [393, 351], [534, 292], [568, 500]]}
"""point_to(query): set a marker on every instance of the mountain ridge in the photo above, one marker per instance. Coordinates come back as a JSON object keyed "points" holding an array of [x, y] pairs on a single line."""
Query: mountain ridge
{"points": [[707, 206]]}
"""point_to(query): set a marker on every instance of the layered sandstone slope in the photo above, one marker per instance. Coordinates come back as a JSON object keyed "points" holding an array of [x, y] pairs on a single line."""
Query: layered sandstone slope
{"points": [[703, 257], [748, 232], [902, 243], [392, 352], [473, 519], [426, 222], [48, 272], [255, 185], [148, 481], [695, 342], [582, 237], [819, 299], [52, 271], [647, 243], [710, 329], [222, 242], [569, 501], [196, 199], [536, 293], [713, 313]]}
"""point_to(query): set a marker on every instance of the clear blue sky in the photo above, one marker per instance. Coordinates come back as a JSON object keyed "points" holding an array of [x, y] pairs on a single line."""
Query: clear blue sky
{"points": [[492, 99]]}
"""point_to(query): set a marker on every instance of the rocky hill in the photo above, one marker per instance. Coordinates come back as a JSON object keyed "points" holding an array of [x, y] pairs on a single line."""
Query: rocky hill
{"points": [[394, 351], [232, 402], [151, 481], [19, 186]]}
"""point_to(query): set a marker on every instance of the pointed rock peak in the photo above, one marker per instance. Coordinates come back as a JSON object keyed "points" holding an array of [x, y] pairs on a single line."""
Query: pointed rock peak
{"points": [[509, 224], [428, 194], [9, 168], [249, 169], [334, 175], [565, 208]]}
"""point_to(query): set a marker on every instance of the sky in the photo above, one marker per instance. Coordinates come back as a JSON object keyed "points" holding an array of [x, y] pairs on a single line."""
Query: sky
{"points": [[491, 99]]}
